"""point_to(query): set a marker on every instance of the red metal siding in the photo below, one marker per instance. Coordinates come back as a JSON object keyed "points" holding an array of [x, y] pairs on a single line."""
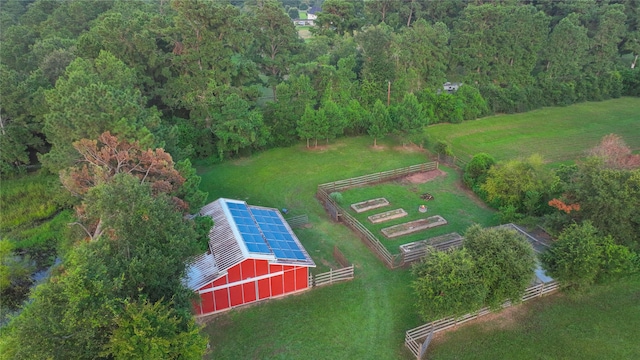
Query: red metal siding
{"points": [[262, 267], [221, 281], [249, 291], [207, 302], [264, 289], [235, 292], [222, 299], [289, 279], [302, 278], [233, 274], [277, 287], [248, 269], [274, 268]]}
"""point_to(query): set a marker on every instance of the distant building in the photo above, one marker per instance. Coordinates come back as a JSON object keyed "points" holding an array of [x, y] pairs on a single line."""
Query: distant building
{"points": [[451, 87], [312, 13]]}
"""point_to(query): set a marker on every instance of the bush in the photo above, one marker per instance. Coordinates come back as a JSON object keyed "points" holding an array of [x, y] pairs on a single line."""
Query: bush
{"points": [[580, 257], [505, 262], [631, 82], [447, 285], [443, 148], [476, 170], [337, 197]]}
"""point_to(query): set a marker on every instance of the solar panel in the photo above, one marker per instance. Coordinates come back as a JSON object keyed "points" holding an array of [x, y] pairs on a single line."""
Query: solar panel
{"points": [[248, 229], [277, 235]]}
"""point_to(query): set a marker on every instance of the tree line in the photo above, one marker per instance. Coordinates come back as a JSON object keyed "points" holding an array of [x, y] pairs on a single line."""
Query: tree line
{"points": [[211, 79]]}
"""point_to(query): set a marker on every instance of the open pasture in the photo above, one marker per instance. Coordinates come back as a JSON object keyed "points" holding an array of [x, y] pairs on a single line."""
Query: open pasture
{"points": [[558, 134]]}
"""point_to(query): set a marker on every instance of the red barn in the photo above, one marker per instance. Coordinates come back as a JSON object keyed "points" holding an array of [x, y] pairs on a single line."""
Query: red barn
{"points": [[254, 255]]}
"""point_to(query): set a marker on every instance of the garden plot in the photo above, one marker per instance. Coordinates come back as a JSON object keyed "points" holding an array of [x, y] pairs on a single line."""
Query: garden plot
{"points": [[387, 215], [369, 205], [414, 226]]}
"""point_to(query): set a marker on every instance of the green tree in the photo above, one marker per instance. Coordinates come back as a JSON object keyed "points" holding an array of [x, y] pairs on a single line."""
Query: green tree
{"points": [[524, 185], [447, 284], [422, 54], [238, 127], [306, 124], [410, 117], [379, 123], [276, 41], [475, 173], [505, 262], [575, 258], [154, 331], [91, 98], [282, 116], [337, 17]]}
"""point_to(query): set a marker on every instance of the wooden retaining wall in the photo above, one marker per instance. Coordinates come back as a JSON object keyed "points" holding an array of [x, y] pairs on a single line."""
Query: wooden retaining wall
{"points": [[415, 338]]}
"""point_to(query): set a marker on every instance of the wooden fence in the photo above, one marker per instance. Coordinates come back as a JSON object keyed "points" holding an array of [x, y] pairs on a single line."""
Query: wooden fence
{"points": [[415, 338], [332, 276], [417, 250], [338, 214], [298, 221], [340, 258]]}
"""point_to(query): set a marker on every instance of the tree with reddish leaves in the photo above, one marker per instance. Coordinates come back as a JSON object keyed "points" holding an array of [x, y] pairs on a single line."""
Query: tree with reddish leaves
{"points": [[100, 160], [615, 153]]}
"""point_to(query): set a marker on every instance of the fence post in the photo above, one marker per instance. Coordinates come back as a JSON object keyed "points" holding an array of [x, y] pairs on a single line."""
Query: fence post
{"points": [[541, 290]]}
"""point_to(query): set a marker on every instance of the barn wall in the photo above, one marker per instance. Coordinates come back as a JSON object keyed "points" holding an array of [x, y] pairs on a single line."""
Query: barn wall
{"points": [[251, 280]]}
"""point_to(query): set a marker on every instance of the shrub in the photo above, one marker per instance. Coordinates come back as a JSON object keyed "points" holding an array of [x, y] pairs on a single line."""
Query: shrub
{"points": [[337, 197], [476, 170], [443, 148], [447, 285], [504, 261], [580, 257]]}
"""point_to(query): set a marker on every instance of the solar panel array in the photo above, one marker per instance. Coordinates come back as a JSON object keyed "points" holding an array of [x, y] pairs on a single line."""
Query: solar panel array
{"points": [[277, 235], [257, 225]]}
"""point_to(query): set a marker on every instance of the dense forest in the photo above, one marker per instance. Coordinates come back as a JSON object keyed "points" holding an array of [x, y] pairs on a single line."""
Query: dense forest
{"points": [[204, 78], [114, 100]]}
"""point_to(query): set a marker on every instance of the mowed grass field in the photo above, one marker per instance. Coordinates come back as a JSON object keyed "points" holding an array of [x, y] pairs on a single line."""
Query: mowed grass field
{"points": [[558, 134], [366, 318]]}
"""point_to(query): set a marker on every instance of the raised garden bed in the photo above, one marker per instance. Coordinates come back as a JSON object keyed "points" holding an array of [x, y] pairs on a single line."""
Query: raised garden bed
{"points": [[369, 205], [387, 215], [414, 226]]}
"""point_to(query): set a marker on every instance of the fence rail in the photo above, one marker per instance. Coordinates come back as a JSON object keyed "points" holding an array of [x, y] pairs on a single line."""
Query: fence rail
{"points": [[417, 250], [298, 221], [332, 276], [338, 214], [414, 338]]}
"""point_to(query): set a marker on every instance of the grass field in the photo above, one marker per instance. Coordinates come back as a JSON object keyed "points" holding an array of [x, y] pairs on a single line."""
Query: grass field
{"points": [[601, 324], [456, 206], [366, 318], [558, 134]]}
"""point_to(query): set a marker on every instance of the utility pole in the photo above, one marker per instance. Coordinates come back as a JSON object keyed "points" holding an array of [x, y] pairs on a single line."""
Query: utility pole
{"points": [[389, 94]]}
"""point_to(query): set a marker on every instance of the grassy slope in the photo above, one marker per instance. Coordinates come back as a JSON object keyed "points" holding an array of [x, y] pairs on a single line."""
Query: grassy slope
{"points": [[556, 133], [602, 324]]}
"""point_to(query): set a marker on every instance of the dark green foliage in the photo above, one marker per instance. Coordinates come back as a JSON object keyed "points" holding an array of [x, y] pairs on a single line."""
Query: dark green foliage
{"points": [[472, 102], [580, 256], [443, 148], [505, 262], [142, 255], [475, 173], [630, 82], [523, 185], [203, 225], [609, 198], [447, 284]]}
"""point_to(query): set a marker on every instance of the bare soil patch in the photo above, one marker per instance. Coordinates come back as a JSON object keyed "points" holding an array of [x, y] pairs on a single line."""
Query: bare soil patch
{"points": [[423, 177]]}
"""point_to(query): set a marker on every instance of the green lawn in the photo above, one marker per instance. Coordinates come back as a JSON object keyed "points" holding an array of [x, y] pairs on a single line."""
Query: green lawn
{"points": [[602, 324], [361, 319], [367, 317], [457, 207], [558, 134]]}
